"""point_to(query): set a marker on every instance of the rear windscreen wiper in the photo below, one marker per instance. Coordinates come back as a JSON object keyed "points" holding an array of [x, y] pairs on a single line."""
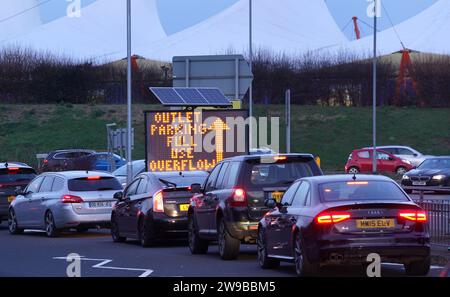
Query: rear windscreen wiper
{"points": [[168, 183]]}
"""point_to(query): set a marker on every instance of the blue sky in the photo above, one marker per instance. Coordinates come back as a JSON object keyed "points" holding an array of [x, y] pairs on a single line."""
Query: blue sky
{"points": [[174, 17]]}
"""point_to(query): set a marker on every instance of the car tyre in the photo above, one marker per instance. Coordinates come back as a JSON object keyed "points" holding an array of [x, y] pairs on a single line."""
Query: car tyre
{"points": [[196, 244], [401, 170], [418, 267], [264, 261], [146, 233], [12, 223], [303, 267], [353, 170], [228, 245], [115, 233], [50, 226]]}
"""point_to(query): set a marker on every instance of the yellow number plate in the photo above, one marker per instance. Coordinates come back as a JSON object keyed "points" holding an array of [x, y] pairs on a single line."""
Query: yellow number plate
{"points": [[277, 196], [375, 224], [11, 199], [184, 207]]}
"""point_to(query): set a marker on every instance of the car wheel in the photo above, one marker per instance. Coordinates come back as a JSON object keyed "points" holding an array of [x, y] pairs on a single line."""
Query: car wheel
{"points": [[115, 234], [419, 267], [401, 170], [146, 233], [264, 261], [228, 245], [50, 227], [353, 170], [196, 244], [12, 223], [302, 265]]}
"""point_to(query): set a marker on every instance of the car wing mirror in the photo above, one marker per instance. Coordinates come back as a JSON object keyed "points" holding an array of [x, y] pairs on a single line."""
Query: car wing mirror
{"points": [[118, 196], [196, 188], [19, 191], [283, 208], [270, 203], [415, 155]]}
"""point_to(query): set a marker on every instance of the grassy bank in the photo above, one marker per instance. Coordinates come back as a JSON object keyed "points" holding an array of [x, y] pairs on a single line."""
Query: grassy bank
{"points": [[330, 132]]}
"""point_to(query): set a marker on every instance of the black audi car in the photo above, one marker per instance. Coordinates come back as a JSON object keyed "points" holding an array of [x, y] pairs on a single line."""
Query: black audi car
{"points": [[154, 206], [13, 176], [340, 220], [433, 174]]}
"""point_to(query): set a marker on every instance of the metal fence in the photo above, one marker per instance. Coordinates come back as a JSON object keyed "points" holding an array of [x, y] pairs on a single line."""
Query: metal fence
{"points": [[438, 218]]}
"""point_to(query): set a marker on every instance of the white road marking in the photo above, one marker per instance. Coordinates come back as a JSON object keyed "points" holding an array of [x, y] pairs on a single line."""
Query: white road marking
{"points": [[103, 262], [397, 264]]}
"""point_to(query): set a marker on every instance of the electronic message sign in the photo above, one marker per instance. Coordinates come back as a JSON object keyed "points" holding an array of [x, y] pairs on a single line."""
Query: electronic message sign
{"points": [[194, 140]]}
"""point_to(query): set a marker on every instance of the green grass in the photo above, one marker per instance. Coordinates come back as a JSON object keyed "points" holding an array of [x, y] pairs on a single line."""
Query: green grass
{"points": [[330, 132]]}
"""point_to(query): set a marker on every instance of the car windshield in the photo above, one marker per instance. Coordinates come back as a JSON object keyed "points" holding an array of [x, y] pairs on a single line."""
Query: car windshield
{"points": [[16, 175], [360, 191], [182, 181], [138, 167], [280, 173], [87, 184], [435, 164]]}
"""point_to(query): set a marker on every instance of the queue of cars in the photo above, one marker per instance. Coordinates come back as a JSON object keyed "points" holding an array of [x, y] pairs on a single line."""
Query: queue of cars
{"points": [[281, 202]]}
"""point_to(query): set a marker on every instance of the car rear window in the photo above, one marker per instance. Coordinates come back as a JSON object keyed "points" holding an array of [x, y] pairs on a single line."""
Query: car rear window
{"points": [[16, 175], [361, 191], [94, 184], [280, 173]]}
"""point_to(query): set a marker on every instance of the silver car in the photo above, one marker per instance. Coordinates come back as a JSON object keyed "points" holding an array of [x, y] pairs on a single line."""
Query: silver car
{"points": [[405, 153], [64, 200]]}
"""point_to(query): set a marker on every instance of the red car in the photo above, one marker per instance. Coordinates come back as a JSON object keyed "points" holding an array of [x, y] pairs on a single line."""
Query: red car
{"points": [[361, 161]]}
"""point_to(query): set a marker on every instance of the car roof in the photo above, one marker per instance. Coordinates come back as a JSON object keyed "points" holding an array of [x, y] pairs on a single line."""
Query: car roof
{"points": [[389, 146], [14, 164], [79, 174], [177, 173], [258, 156], [438, 157], [346, 178], [72, 151]]}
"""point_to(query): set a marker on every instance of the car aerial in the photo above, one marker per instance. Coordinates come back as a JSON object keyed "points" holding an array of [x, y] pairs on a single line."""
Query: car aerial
{"points": [[104, 161], [65, 160], [13, 176], [64, 200], [154, 206], [121, 172], [230, 204], [361, 161], [340, 220], [405, 153], [432, 175]]}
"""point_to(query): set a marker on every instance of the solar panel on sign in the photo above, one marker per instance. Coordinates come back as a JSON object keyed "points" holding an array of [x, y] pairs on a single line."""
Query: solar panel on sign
{"points": [[214, 96], [168, 96], [191, 95]]}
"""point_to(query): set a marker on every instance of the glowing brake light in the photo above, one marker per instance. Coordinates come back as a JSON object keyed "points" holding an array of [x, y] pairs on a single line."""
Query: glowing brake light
{"points": [[71, 199], [239, 198], [328, 218], [158, 202], [415, 216], [13, 168], [280, 158], [358, 183], [93, 177]]}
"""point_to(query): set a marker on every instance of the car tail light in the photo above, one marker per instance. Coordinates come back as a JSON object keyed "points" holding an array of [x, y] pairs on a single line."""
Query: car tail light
{"points": [[71, 199], [158, 202], [330, 218], [45, 162], [93, 177], [415, 216], [239, 198]]}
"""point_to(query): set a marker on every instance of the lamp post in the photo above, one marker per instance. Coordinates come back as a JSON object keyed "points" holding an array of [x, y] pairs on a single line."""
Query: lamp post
{"points": [[374, 98], [129, 85]]}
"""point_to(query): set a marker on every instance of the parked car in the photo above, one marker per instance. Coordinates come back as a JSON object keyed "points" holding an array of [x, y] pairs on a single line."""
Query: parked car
{"points": [[361, 161], [121, 172], [405, 153], [154, 206], [13, 176], [66, 160], [101, 161], [64, 200], [339, 220], [230, 204], [433, 174]]}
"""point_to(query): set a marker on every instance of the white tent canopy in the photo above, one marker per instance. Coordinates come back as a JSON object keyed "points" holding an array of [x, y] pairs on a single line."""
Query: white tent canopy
{"points": [[16, 18], [289, 26], [99, 33], [426, 32]]}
